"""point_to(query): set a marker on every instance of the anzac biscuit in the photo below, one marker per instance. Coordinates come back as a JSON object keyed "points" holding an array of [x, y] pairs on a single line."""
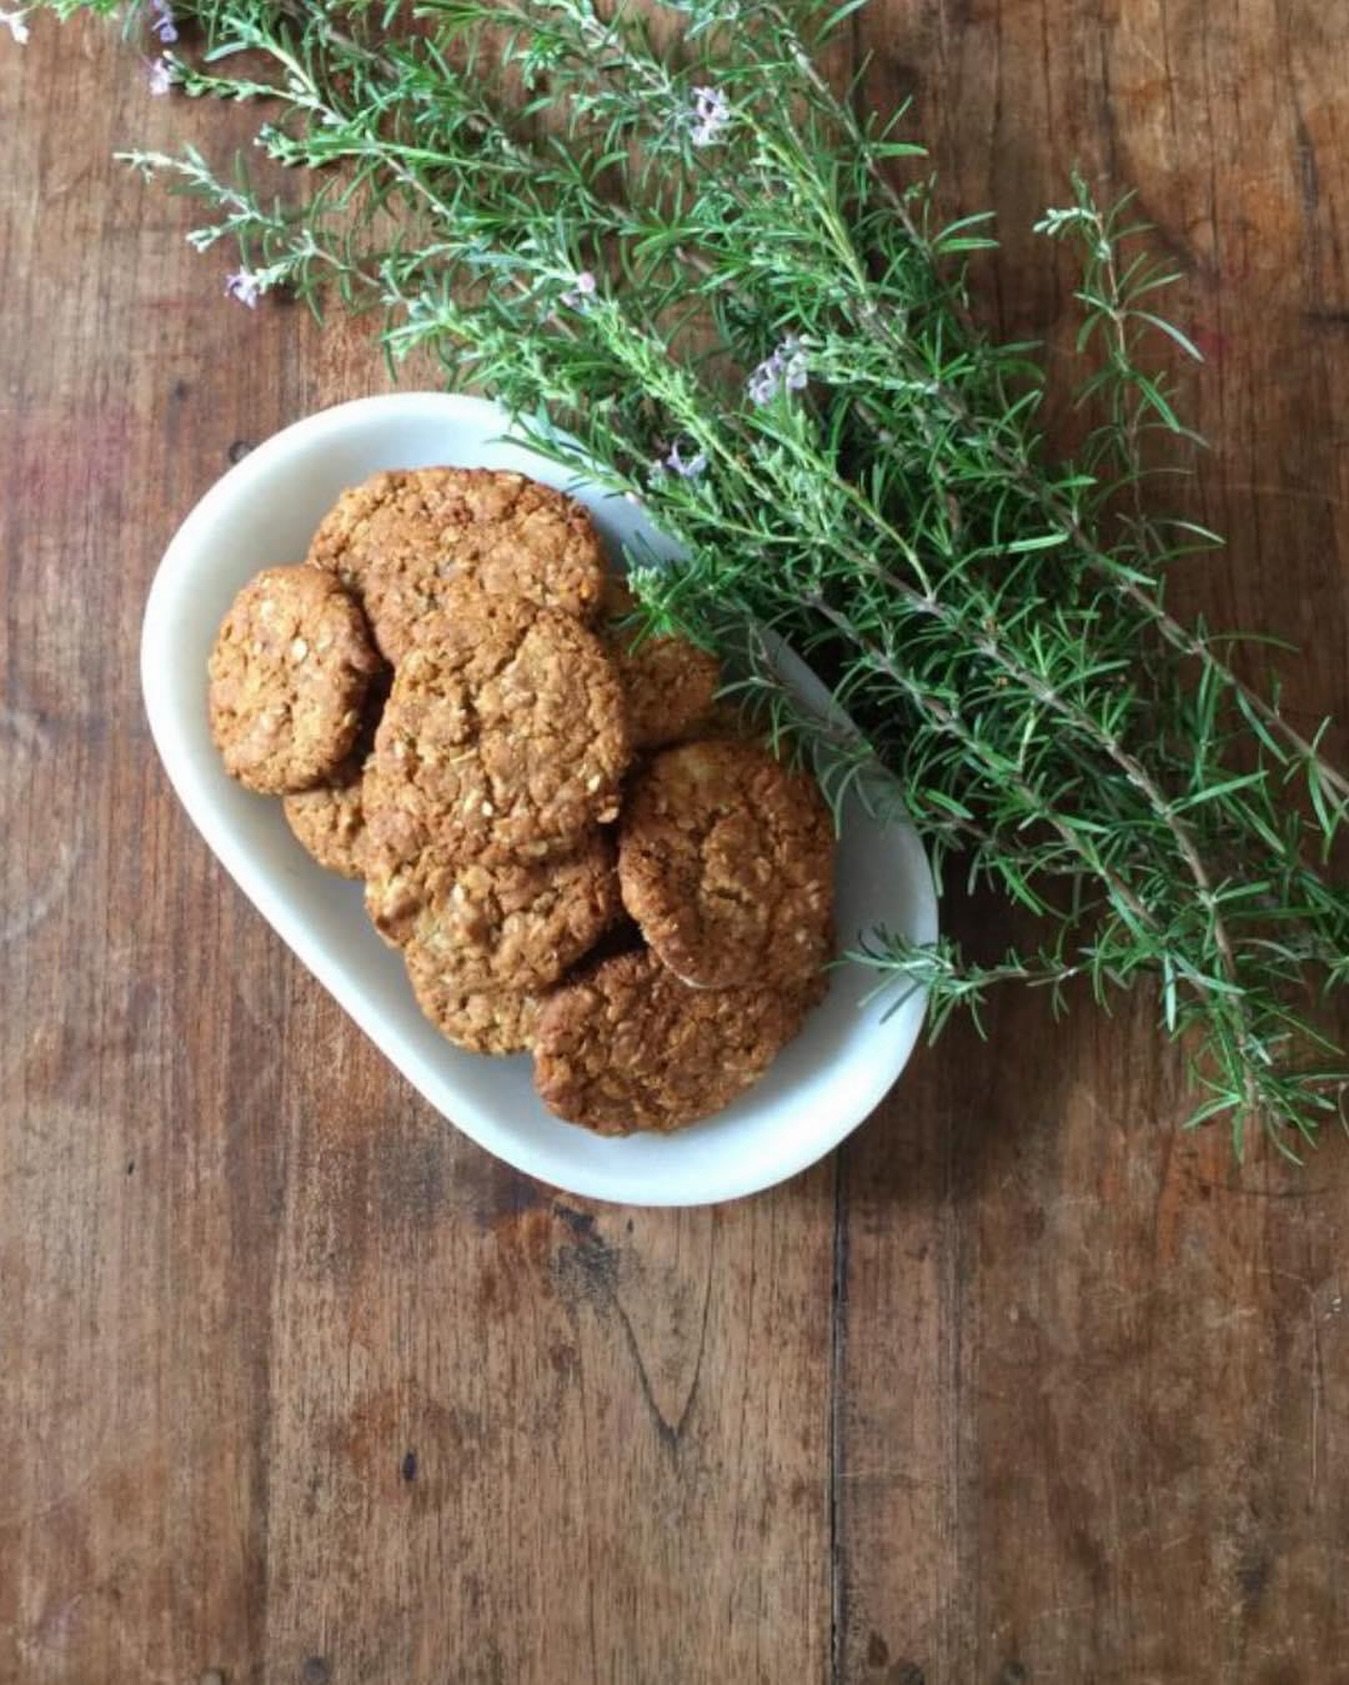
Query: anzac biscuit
{"points": [[627, 1046], [514, 926], [329, 820], [669, 684], [726, 862], [497, 1021], [503, 739], [288, 675], [401, 537]]}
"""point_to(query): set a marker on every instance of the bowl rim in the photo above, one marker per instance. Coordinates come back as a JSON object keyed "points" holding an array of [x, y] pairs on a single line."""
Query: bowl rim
{"points": [[192, 785]]}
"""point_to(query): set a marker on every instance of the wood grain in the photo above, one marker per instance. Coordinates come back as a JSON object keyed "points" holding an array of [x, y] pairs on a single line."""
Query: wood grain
{"points": [[1106, 1440], [296, 1385]]}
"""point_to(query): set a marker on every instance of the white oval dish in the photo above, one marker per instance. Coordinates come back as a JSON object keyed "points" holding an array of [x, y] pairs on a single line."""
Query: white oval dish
{"points": [[264, 511]]}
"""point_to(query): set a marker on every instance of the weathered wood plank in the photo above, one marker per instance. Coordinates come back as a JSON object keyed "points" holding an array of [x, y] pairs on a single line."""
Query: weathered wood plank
{"points": [[298, 1384], [1093, 1378]]}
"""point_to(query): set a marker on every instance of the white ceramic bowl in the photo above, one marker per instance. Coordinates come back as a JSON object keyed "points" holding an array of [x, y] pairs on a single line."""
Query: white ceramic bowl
{"points": [[264, 511]]}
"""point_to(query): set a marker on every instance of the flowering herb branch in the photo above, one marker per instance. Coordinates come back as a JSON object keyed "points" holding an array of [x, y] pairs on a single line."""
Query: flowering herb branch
{"points": [[703, 267]]}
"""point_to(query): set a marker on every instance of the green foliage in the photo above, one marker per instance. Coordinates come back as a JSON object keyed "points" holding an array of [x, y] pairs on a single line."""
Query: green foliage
{"points": [[993, 620]]}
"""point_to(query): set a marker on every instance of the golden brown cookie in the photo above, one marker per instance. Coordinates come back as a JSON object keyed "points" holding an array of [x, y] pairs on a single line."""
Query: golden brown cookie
{"points": [[288, 676], [518, 925], [627, 1046], [726, 860], [400, 538], [669, 684], [504, 738], [498, 1021], [329, 820]]}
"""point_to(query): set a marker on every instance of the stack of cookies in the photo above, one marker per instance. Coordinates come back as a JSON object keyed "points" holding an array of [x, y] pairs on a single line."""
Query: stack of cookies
{"points": [[572, 851]]}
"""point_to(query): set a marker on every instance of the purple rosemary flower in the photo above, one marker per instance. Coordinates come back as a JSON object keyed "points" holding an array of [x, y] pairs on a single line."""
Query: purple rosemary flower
{"points": [[786, 370], [794, 375], [763, 383], [163, 24], [160, 75], [17, 24], [582, 288], [245, 287], [674, 462], [710, 116]]}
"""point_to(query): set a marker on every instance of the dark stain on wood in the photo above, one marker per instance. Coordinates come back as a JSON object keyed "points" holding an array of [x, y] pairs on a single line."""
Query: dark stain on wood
{"points": [[906, 1673]]}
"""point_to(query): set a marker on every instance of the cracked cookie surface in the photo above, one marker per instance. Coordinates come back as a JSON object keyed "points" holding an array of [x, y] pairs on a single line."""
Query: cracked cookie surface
{"points": [[517, 925], [497, 1021], [328, 821], [288, 674], [401, 537], [668, 683], [726, 862], [626, 1046], [503, 739]]}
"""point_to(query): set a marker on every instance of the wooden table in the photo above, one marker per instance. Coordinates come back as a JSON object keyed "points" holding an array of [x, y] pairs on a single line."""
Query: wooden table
{"points": [[297, 1385]]}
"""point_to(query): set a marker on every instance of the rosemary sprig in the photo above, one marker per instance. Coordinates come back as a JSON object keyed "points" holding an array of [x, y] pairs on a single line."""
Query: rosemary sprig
{"points": [[703, 266]]}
